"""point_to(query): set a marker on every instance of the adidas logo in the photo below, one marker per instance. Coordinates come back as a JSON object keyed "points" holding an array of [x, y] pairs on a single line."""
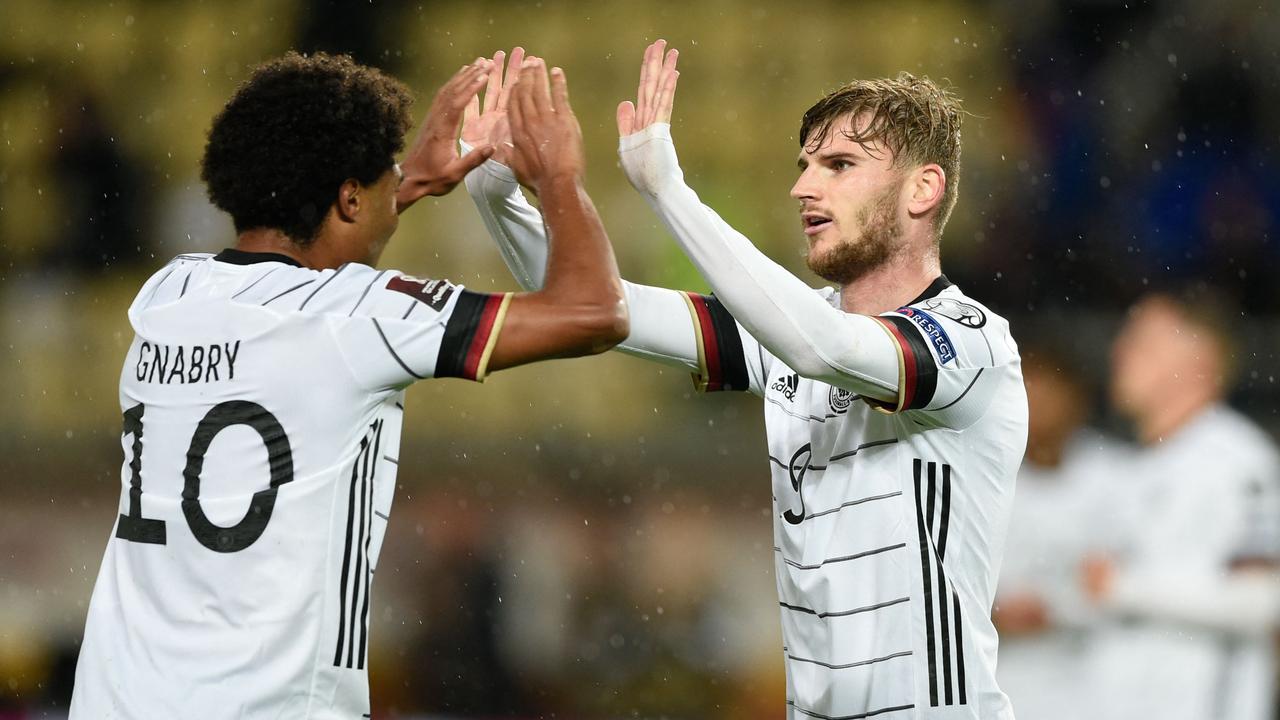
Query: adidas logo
{"points": [[787, 386]]}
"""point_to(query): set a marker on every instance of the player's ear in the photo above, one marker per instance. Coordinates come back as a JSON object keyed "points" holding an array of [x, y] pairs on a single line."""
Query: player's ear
{"points": [[350, 197], [927, 184]]}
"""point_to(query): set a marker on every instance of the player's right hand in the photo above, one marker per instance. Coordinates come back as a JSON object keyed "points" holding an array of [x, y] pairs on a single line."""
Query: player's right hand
{"points": [[546, 138], [486, 123], [432, 166], [656, 94]]}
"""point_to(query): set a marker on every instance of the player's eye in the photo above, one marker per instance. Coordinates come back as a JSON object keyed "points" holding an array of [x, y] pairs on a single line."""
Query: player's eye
{"points": [[841, 165]]}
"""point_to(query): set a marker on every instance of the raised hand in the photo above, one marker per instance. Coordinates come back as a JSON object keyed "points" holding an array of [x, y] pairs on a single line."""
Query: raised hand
{"points": [[656, 94], [433, 166], [487, 124], [547, 141]]}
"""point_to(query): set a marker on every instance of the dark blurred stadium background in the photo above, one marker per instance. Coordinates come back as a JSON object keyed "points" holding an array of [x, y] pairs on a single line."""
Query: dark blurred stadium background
{"points": [[589, 538]]}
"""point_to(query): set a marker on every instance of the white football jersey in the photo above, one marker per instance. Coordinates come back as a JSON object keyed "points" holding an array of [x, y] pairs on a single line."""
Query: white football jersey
{"points": [[1194, 505], [889, 523], [262, 408]]}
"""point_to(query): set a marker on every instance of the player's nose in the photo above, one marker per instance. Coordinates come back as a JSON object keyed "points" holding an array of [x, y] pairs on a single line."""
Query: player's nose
{"points": [[805, 187]]}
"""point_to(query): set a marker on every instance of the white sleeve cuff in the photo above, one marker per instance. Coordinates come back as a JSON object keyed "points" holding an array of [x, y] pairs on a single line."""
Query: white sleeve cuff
{"points": [[491, 168]]}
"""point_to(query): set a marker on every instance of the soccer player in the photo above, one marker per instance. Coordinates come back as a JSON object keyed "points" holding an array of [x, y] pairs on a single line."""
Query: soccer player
{"points": [[1191, 598], [894, 403], [263, 391]]}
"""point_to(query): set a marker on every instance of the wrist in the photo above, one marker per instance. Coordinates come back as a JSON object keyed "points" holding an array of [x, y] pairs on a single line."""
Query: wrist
{"points": [[499, 173], [649, 133], [415, 175]]}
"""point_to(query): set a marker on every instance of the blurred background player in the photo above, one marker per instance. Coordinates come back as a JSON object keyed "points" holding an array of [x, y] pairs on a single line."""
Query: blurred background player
{"points": [[263, 391], [895, 410], [1064, 484], [1189, 596]]}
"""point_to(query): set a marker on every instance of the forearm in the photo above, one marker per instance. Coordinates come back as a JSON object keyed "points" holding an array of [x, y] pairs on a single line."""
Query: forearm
{"points": [[661, 327], [1244, 602], [580, 264], [779, 310], [514, 224], [581, 309]]}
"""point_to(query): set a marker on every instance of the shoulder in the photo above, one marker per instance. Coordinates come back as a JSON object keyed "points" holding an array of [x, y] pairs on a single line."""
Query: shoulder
{"points": [[961, 329], [165, 284], [1227, 433], [955, 306], [350, 290], [175, 264]]}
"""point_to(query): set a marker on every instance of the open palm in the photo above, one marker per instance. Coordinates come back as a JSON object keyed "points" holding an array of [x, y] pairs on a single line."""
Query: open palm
{"points": [[656, 94], [485, 122]]}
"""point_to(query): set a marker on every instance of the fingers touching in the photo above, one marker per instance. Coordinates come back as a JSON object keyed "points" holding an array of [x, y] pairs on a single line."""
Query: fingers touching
{"points": [[502, 77], [512, 74], [486, 120], [432, 166], [524, 108], [494, 88], [458, 92]]}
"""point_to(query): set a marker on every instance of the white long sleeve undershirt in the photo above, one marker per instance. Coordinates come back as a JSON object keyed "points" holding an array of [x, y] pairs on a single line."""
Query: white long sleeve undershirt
{"points": [[661, 329], [787, 317], [795, 324]]}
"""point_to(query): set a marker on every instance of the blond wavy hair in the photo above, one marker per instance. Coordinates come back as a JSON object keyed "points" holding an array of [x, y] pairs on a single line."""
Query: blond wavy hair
{"points": [[914, 118]]}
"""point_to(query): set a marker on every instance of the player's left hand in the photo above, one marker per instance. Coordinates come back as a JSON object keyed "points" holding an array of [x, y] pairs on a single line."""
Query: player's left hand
{"points": [[487, 123], [657, 92], [433, 166]]}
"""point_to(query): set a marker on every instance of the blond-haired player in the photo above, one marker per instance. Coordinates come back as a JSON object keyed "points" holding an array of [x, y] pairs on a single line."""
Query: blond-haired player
{"points": [[894, 403]]}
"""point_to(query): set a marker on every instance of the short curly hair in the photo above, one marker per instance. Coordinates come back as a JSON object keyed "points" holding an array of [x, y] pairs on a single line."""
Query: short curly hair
{"points": [[299, 127], [915, 118]]}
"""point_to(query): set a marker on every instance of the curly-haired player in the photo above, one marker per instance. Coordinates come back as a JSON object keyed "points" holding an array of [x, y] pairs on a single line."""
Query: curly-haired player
{"points": [[894, 403], [348, 121], [263, 391]]}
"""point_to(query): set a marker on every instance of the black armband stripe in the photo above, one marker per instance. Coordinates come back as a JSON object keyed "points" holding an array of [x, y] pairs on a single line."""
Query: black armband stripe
{"points": [[724, 359], [920, 371], [470, 334]]}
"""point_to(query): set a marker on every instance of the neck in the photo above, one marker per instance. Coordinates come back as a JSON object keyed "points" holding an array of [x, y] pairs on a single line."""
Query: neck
{"points": [[268, 240], [1170, 417], [891, 285]]}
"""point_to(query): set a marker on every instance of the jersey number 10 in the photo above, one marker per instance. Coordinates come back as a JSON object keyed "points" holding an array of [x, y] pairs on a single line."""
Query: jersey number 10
{"points": [[136, 528]]}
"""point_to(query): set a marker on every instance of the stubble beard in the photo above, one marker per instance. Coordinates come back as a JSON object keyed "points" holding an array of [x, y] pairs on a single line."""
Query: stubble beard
{"points": [[876, 245]]}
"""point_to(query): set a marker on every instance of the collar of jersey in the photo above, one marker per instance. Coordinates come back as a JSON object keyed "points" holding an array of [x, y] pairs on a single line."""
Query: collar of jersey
{"points": [[240, 257], [938, 285]]}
